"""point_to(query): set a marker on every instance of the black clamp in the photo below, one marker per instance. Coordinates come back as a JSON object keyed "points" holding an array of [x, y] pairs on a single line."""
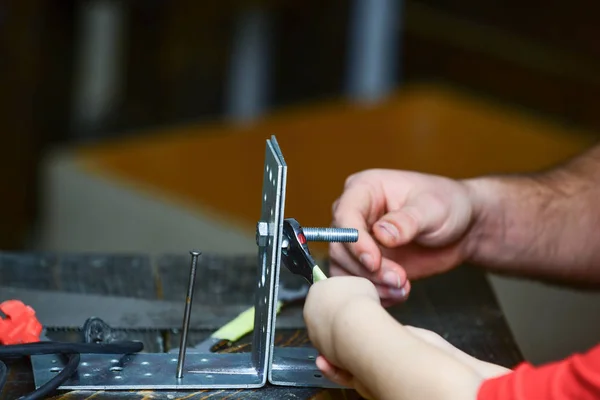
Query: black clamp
{"points": [[296, 255]]}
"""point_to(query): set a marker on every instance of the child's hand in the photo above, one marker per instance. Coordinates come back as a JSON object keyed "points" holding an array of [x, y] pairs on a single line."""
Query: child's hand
{"points": [[326, 305], [327, 301], [365, 348]]}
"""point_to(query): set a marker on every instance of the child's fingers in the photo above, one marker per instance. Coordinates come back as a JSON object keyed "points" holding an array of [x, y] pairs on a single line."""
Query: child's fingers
{"points": [[341, 377], [485, 369], [334, 373]]}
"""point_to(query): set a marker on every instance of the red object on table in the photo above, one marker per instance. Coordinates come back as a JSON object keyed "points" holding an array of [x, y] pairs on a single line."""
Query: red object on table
{"points": [[18, 324]]}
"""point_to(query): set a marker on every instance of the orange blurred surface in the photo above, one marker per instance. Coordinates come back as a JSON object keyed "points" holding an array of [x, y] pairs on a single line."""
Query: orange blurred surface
{"points": [[219, 166]]}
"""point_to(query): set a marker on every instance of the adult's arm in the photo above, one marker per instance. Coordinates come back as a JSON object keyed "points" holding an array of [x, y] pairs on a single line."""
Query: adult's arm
{"points": [[544, 225]]}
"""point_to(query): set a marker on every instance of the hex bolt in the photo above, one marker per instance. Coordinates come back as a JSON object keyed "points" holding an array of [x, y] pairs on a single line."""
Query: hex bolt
{"points": [[345, 235], [262, 233]]}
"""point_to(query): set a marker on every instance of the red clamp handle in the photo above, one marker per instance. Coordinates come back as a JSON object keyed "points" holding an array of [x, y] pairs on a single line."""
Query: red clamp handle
{"points": [[18, 324]]}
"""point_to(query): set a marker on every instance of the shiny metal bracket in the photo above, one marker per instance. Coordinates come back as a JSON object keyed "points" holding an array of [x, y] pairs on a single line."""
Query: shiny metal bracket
{"points": [[266, 362], [156, 371], [288, 366]]}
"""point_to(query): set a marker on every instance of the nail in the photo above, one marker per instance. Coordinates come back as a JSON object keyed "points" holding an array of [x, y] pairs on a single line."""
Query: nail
{"points": [[391, 278], [397, 293], [390, 229], [187, 314], [367, 261]]}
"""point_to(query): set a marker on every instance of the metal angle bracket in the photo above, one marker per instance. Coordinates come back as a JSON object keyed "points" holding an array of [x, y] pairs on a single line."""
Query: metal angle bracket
{"points": [[157, 371], [288, 366]]}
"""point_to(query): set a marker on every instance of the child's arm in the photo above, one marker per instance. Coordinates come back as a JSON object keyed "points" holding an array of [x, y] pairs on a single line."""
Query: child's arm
{"points": [[574, 378], [393, 363], [364, 347]]}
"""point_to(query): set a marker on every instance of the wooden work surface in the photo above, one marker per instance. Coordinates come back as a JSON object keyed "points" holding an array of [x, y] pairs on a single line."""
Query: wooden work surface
{"points": [[458, 305]]}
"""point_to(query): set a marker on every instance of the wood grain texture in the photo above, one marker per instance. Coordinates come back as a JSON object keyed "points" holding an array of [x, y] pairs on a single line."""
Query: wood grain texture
{"points": [[421, 128], [458, 305]]}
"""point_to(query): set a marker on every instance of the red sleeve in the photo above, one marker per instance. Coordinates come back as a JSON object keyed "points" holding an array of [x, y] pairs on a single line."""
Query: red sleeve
{"points": [[576, 377]]}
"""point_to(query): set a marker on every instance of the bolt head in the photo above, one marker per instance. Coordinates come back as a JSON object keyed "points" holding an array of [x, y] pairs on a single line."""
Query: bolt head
{"points": [[262, 233]]}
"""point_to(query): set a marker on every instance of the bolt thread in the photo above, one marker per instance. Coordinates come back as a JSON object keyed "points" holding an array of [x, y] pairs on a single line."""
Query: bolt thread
{"points": [[345, 235]]}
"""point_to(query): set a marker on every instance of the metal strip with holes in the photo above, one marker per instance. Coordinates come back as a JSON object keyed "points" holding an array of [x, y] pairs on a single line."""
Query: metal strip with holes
{"points": [[290, 366], [201, 370], [280, 366]]}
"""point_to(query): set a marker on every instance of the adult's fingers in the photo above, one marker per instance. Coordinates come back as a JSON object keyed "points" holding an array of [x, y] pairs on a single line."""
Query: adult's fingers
{"points": [[390, 274], [340, 255], [421, 214], [388, 295], [353, 210]]}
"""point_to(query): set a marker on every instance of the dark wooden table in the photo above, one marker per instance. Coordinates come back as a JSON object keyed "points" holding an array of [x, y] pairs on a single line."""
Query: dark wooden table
{"points": [[459, 305]]}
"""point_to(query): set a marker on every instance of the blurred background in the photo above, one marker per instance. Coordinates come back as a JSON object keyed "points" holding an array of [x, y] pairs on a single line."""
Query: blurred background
{"points": [[140, 125]]}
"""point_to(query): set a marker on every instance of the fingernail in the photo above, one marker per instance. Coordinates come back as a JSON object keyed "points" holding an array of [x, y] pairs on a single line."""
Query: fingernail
{"points": [[398, 293], [390, 229], [391, 278], [320, 363], [367, 261]]}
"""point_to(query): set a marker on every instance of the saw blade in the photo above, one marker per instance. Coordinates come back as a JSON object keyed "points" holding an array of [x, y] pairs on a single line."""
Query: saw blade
{"points": [[68, 310]]}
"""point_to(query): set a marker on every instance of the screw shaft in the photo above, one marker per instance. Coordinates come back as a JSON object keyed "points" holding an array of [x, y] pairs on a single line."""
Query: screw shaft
{"points": [[346, 235], [187, 314]]}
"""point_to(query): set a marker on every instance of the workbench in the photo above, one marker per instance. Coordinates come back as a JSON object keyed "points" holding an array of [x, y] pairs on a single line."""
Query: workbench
{"points": [[458, 305]]}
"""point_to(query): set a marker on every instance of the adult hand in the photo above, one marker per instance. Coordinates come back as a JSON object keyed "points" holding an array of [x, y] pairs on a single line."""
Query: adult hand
{"points": [[411, 225]]}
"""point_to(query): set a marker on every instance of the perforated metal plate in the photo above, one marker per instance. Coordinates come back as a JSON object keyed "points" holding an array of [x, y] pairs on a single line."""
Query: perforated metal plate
{"points": [[269, 255], [281, 366], [290, 366], [201, 371], [152, 371], [295, 366]]}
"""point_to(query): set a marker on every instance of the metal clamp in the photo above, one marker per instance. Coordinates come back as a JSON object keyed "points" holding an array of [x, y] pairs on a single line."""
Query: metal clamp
{"points": [[198, 370]]}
